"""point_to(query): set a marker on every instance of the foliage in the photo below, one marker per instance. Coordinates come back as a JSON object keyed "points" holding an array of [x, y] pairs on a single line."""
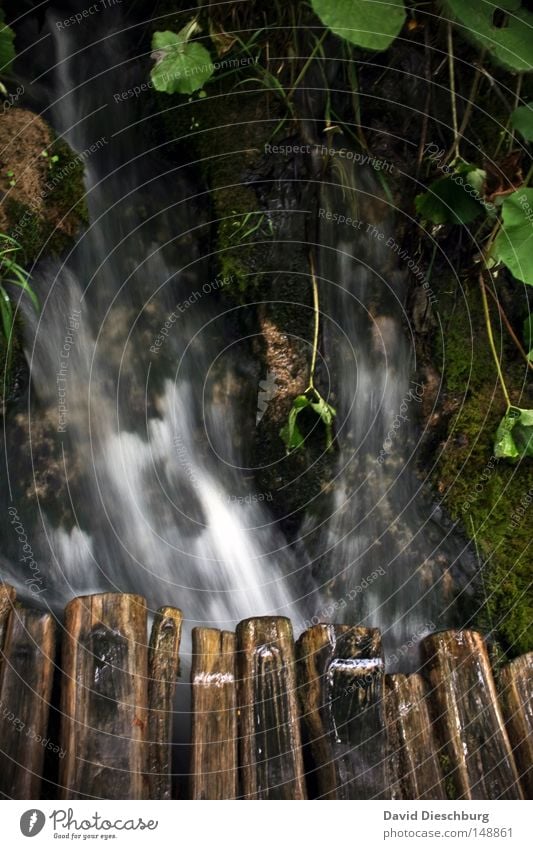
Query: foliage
{"points": [[291, 433], [513, 245], [514, 437], [507, 40], [373, 26], [311, 398], [452, 199], [181, 66], [7, 49], [522, 120], [11, 273]]}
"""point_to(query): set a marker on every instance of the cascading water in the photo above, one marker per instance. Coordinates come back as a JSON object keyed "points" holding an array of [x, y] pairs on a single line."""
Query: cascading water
{"points": [[130, 402], [383, 547], [136, 411]]}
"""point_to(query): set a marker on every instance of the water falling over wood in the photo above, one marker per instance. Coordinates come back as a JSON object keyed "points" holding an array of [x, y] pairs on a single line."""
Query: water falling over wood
{"points": [[414, 768], [341, 694], [163, 669], [104, 697], [269, 723], [468, 717]]}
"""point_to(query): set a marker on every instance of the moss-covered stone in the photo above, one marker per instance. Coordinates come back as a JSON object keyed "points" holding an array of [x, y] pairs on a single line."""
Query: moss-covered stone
{"points": [[43, 203], [490, 497]]}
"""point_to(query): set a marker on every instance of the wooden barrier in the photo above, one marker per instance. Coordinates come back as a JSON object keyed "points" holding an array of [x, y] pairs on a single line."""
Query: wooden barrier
{"points": [[414, 768], [104, 698], [366, 735], [468, 716], [214, 715], [25, 688], [269, 727], [341, 695], [517, 704], [163, 669]]}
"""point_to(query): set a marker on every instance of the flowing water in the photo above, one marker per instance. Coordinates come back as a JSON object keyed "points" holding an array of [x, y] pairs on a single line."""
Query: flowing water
{"points": [[115, 461]]}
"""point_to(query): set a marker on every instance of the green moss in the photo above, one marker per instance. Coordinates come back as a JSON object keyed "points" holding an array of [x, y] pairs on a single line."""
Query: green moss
{"points": [[484, 493]]}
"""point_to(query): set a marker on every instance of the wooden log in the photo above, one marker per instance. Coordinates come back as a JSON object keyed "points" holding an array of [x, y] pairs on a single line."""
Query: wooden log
{"points": [[414, 769], [104, 697], [28, 668], [269, 730], [516, 699], [214, 715], [163, 669], [7, 602], [468, 717], [341, 682]]}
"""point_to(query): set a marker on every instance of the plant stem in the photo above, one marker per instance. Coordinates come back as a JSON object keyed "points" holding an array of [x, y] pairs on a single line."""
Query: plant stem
{"points": [[451, 65], [508, 325], [491, 340], [302, 73], [311, 384]]}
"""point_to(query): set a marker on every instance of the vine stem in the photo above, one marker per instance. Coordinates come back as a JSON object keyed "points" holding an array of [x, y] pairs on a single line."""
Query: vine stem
{"points": [[508, 325], [311, 384], [451, 66], [491, 340]]}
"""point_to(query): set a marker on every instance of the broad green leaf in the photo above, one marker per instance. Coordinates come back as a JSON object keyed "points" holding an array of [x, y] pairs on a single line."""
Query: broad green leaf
{"points": [[290, 432], [371, 24], [7, 49], [181, 67], [514, 244], [514, 437], [508, 41], [449, 200], [522, 120]]}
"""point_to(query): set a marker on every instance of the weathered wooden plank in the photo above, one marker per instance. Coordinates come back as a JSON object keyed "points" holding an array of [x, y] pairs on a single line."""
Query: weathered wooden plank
{"points": [[414, 769], [104, 697], [163, 669], [341, 682], [214, 715], [468, 717], [269, 730], [7, 602], [28, 666], [516, 699]]}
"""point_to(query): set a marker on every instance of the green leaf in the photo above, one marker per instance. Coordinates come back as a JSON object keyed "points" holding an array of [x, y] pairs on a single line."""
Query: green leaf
{"points": [[509, 44], [7, 49], [290, 432], [514, 244], [371, 24], [514, 437], [181, 67], [449, 199], [522, 120]]}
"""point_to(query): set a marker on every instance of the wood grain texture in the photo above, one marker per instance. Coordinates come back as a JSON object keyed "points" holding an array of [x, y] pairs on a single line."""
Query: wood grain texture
{"points": [[7, 602], [26, 685], [214, 773], [269, 729], [516, 699], [340, 675], [414, 768], [468, 717], [163, 671], [104, 697]]}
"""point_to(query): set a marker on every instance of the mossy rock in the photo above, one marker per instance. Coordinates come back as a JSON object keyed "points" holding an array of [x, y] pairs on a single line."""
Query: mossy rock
{"points": [[489, 497], [42, 203]]}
